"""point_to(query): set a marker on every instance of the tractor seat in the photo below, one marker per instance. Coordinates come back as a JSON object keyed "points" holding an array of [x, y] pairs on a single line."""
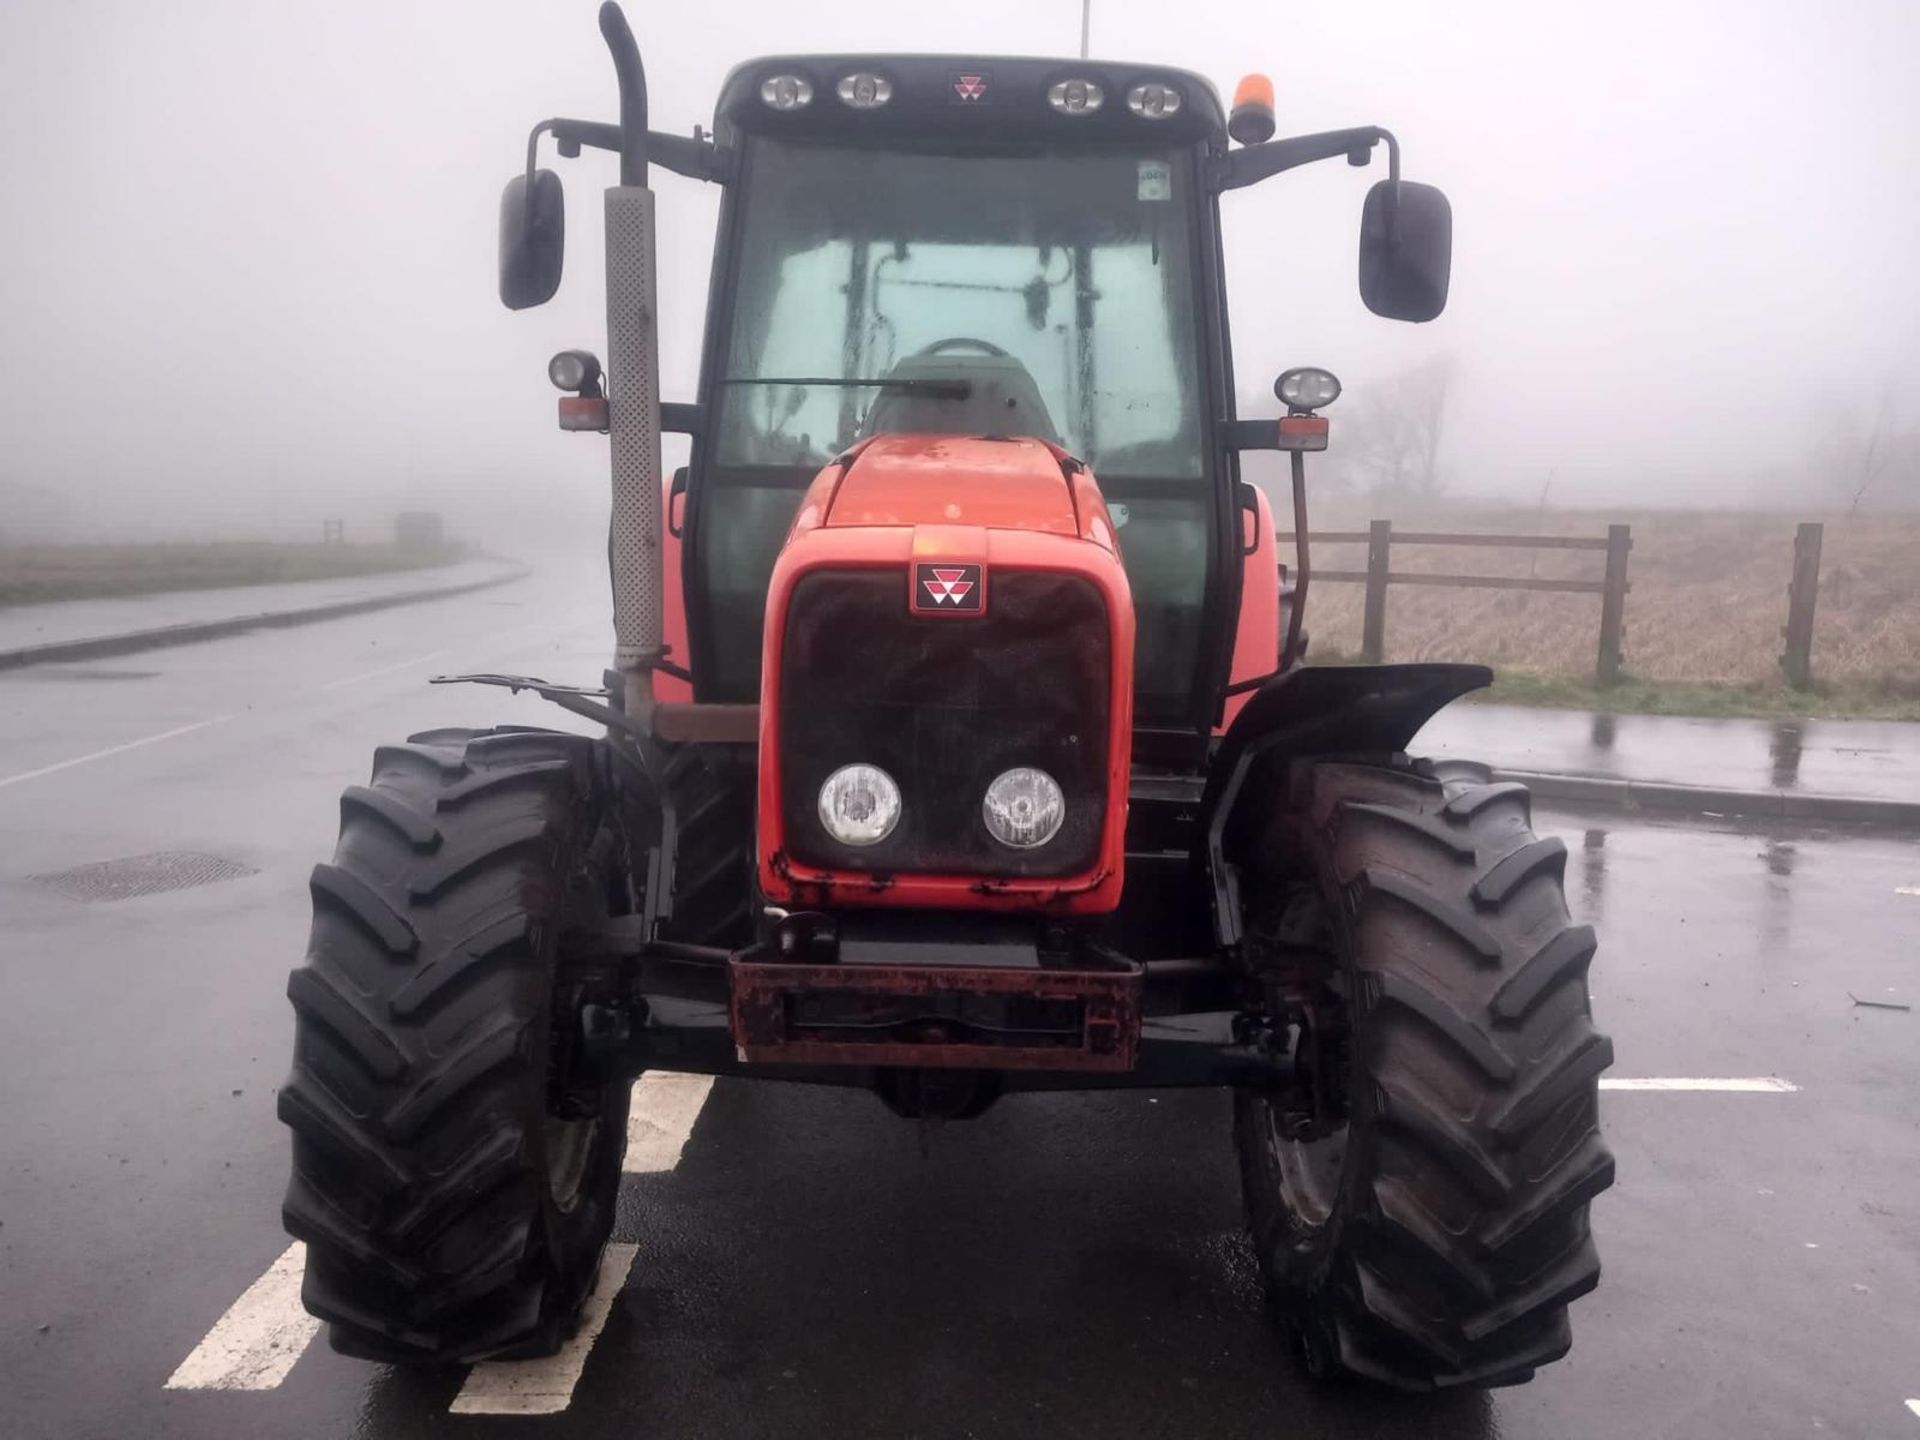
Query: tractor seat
{"points": [[1003, 400]]}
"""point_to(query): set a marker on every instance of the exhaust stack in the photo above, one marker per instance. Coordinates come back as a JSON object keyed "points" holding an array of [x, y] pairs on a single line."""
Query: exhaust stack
{"points": [[633, 363]]}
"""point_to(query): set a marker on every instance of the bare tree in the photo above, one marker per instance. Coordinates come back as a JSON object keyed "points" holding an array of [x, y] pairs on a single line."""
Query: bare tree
{"points": [[1871, 458], [1863, 452], [1397, 430]]}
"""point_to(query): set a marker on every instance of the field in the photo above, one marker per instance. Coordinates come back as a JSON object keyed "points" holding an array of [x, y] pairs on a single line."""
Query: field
{"points": [[33, 574], [1704, 615]]}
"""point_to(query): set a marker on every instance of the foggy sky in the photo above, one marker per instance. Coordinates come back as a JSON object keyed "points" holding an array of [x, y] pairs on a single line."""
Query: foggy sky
{"points": [[248, 250]]}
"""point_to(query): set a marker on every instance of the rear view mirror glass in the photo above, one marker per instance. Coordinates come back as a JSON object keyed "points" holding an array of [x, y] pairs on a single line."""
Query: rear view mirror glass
{"points": [[533, 239], [1406, 250]]}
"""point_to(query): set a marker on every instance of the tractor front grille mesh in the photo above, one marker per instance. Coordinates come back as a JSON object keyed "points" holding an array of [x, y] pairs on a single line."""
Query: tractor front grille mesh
{"points": [[943, 704], [142, 875]]}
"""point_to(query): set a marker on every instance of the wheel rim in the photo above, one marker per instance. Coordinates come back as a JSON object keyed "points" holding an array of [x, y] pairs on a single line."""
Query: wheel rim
{"points": [[1310, 1171], [570, 1146]]}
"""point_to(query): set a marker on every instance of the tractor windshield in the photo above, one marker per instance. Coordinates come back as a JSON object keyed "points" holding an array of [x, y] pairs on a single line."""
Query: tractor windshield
{"points": [[1060, 280], [1002, 290]]}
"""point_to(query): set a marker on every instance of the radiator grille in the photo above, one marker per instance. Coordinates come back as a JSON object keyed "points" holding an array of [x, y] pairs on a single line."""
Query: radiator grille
{"points": [[944, 704]]}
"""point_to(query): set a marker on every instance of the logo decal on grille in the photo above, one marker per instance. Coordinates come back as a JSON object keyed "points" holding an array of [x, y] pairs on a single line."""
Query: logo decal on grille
{"points": [[948, 588], [970, 89]]}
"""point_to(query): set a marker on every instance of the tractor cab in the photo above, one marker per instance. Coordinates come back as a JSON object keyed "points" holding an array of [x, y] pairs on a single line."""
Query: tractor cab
{"points": [[969, 246]]}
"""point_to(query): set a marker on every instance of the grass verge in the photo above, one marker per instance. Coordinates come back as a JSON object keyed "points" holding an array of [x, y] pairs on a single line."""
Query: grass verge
{"points": [[1710, 700], [1635, 696], [39, 574]]}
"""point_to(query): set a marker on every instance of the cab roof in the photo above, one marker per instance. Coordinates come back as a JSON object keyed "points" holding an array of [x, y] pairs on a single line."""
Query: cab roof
{"points": [[964, 97]]}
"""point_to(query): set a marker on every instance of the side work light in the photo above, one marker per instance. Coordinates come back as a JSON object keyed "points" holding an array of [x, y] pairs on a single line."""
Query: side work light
{"points": [[1306, 389], [576, 371]]}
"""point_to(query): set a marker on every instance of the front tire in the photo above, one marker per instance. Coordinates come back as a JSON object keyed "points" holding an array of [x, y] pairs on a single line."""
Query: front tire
{"points": [[454, 1196], [1436, 1238]]}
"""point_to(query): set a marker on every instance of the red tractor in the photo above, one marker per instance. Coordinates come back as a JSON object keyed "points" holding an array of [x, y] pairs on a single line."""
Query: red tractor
{"points": [[958, 743]]}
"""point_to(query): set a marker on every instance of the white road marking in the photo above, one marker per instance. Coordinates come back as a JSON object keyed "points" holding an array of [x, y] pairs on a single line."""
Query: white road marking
{"points": [[1756, 1085], [220, 719], [345, 680], [1914, 1406], [111, 750], [1907, 890], [665, 1106], [254, 1345], [545, 1386]]}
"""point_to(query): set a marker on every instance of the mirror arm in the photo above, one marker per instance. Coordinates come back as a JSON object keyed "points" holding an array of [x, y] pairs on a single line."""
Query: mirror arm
{"points": [[533, 163], [572, 134], [678, 418], [694, 156], [1250, 164], [1250, 434]]}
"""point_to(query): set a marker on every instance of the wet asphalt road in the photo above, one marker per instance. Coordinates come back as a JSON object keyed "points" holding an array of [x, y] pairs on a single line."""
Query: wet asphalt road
{"points": [[813, 1266]]}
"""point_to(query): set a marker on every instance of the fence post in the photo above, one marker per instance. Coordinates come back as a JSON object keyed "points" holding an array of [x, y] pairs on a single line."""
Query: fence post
{"points": [[1613, 605], [1801, 593], [1373, 628]]}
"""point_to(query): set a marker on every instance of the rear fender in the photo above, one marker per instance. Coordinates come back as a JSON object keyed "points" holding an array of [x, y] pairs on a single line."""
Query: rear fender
{"points": [[1313, 711]]}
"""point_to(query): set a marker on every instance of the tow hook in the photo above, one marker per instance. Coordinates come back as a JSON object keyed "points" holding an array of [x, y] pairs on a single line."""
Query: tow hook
{"points": [[806, 937]]}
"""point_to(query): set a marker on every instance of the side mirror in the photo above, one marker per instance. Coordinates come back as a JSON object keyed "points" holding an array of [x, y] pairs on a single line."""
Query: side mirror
{"points": [[1406, 250], [533, 239]]}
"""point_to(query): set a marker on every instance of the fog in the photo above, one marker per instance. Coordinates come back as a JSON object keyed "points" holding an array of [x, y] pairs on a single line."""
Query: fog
{"points": [[249, 247]]}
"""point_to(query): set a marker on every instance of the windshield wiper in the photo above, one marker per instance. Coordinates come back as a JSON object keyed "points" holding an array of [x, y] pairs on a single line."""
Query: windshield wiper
{"points": [[938, 389]]}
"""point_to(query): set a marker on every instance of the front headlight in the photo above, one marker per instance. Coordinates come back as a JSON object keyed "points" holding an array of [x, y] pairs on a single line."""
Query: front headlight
{"points": [[1024, 808], [859, 805]]}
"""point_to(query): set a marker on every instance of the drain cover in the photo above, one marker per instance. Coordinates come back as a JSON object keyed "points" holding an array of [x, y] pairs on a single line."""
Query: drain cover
{"points": [[142, 875]]}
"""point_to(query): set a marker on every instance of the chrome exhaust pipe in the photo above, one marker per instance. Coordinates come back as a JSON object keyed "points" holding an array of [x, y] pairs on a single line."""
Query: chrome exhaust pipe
{"points": [[633, 368]]}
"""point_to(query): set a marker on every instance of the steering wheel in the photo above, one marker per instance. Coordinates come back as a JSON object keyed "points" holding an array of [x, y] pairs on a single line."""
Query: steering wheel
{"points": [[955, 342]]}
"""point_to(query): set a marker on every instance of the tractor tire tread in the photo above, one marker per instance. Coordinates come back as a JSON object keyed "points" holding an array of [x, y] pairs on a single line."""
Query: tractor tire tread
{"points": [[1459, 923], [419, 1085], [374, 912], [1563, 958], [1474, 1149], [1455, 840], [1517, 867]]}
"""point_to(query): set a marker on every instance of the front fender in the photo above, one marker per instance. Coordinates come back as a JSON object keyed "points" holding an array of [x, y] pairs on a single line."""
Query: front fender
{"points": [[1314, 711]]}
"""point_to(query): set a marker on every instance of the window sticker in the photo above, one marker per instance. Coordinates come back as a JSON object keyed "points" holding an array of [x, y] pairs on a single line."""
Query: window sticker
{"points": [[1156, 180]]}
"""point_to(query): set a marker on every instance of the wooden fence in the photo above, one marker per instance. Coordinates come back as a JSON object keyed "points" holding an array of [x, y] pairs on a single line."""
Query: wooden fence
{"points": [[1801, 592], [1379, 538]]}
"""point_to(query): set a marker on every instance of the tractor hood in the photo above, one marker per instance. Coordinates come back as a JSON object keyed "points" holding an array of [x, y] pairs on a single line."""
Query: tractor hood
{"points": [[988, 483]]}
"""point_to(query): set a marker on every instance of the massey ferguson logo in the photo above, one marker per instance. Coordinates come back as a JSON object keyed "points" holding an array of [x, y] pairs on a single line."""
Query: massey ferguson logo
{"points": [[947, 588], [970, 89]]}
